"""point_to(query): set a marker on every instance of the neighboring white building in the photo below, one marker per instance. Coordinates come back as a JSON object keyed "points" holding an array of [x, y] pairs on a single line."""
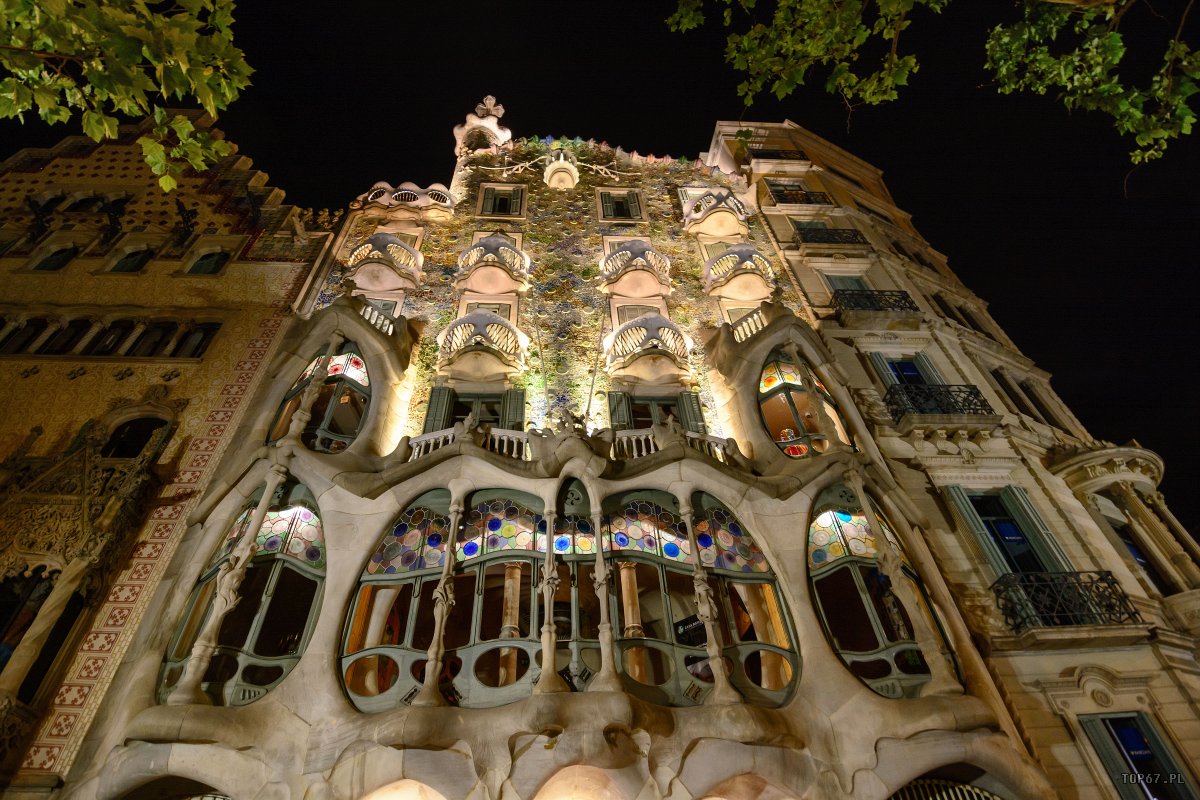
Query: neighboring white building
{"points": [[599, 476]]}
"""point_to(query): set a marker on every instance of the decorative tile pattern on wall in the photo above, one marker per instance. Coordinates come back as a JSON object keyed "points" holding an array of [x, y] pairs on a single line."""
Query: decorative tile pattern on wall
{"points": [[100, 652]]}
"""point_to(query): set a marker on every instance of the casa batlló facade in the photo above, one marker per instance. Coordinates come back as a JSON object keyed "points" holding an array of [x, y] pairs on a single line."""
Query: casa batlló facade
{"points": [[585, 475]]}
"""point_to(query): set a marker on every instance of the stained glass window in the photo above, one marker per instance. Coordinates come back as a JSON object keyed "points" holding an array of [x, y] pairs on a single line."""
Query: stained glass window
{"points": [[865, 620], [725, 544], [264, 635], [416, 541], [645, 527], [790, 414], [497, 525], [339, 408]]}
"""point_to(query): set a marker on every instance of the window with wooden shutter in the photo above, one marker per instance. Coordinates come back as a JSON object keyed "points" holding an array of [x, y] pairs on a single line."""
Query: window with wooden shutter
{"points": [[512, 410], [620, 414], [691, 416], [437, 413]]}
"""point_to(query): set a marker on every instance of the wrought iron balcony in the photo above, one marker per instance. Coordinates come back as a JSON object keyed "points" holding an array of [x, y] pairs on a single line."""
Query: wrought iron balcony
{"points": [[779, 155], [1051, 599], [873, 300], [903, 399], [799, 197], [829, 236]]}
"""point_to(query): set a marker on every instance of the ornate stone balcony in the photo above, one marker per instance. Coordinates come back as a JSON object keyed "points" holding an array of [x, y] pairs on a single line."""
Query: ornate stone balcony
{"points": [[635, 269], [493, 265], [1052, 599], [740, 273], [798, 197], [715, 213], [385, 260], [652, 334], [482, 346], [379, 319]]}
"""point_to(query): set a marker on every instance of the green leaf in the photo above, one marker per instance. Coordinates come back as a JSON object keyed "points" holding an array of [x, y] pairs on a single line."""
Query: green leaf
{"points": [[167, 183]]}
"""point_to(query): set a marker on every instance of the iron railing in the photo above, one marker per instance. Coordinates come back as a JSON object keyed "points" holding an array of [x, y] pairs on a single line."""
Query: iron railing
{"points": [[872, 300], [903, 399], [799, 197], [1052, 599], [779, 155], [830, 236]]}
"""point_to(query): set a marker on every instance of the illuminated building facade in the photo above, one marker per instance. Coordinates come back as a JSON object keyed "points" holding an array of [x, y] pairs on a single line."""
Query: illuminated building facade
{"points": [[602, 476]]}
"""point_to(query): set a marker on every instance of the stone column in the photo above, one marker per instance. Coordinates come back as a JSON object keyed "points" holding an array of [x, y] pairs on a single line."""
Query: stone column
{"points": [[173, 342], [722, 692], [549, 680], [1158, 502], [1121, 569], [606, 680], [1158, 533], [510, 616], [92, 332], [443, 602], [26, 653], [225, 598], [303, 412], [941, 677], [53, 326], [139, 327], [637, 664], [11, 325]]}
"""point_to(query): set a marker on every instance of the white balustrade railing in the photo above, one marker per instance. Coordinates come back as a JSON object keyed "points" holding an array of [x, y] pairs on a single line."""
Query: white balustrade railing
{"points": [[514, 444], [426, 443], [711, 446], [380, 319], [633, 444], [749, 325]]}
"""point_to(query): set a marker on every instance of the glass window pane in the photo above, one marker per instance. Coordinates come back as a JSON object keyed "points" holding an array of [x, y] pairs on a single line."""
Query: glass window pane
{"points": [[846, 616], [236, 625], [687, 627], [380, 617], [589, 603], [348, 412], [780, 419], [287, 616], [641, 601], [888, 611]]}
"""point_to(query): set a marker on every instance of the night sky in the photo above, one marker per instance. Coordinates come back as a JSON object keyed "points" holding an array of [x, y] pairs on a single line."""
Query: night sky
{"points": [[1089, 266]]}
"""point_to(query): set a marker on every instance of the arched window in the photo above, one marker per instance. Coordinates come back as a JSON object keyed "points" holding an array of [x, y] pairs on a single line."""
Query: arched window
{"points": [[21, 598], [65, 338], [865, 621], [209, 263], [265, 634], [130, 438], [195, 342], [790, 412], [22, 337], [57, 260], [109, 340], [134, 261], [340, 406], [493, 653]]}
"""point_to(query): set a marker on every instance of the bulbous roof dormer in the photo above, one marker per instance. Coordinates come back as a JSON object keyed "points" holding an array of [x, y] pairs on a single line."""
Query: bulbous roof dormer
{"points": [[635, 269], [716, 214], [740, 273], [409, 200], [386, 263], [482, 346], [493, 265], [482, 130]]}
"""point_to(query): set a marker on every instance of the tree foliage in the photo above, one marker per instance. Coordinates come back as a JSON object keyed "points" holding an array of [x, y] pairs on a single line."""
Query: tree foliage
{"points": [[101, 59], [1073, 48]]}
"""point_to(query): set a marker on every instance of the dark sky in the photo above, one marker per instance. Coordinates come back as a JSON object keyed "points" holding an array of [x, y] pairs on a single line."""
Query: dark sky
{"points": [[1090, 267]]}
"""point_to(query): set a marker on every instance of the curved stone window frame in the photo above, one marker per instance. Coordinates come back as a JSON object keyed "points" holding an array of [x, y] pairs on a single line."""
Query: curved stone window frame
{"points": [[386, 631], [782, 392], [347, 383], [270, 594], [850, 561]]}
